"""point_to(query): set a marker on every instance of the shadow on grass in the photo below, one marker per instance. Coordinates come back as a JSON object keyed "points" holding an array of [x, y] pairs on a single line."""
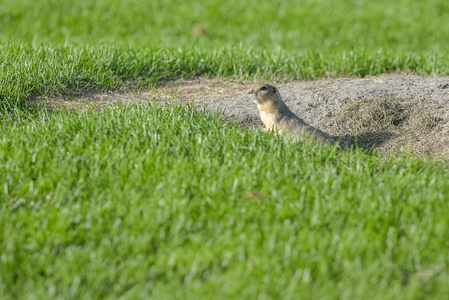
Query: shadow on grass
{"points": [[367, 141]]}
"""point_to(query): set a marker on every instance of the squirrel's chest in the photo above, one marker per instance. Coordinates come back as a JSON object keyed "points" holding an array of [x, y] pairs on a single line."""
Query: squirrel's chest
{"points": [[268, 120]]}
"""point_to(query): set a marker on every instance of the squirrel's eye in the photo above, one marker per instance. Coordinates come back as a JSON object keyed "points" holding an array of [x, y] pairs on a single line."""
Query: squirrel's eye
{"points": [[274, 91], [264, 88]]}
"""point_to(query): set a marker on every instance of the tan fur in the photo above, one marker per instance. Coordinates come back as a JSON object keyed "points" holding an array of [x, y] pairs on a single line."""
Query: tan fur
{"points": [[277, 117]]}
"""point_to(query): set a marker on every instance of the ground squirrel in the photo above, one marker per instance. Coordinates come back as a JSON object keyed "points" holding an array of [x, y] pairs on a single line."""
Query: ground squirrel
{"points": [[279, 118]]}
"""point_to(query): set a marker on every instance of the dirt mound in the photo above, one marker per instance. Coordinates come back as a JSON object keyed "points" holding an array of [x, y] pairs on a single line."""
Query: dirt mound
{"points": [[391, 113]]}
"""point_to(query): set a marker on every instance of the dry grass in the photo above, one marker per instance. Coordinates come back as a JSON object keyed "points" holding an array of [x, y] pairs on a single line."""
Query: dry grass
{"points": [[390, 124]]}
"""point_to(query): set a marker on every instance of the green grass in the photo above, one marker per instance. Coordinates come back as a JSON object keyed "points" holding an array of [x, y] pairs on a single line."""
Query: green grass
{"points": [[27, 70], [70, 46], [141, 201], [406, 25]]}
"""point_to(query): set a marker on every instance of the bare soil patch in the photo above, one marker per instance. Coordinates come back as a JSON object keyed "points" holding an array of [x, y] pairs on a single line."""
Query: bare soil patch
{"points": [[390, 113]]}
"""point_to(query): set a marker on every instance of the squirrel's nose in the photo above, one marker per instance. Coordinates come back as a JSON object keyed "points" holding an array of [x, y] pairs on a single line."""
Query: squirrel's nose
{"points": [[250, 91]]}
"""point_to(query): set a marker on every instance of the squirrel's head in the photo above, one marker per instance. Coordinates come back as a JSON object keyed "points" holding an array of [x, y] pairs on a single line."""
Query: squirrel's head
{"points": [[263, 93]]}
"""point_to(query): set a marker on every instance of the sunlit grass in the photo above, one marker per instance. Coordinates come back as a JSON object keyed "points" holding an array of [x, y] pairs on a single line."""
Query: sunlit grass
{"points": [[143, 201], [296, 25], [72, 46], [27, 71]]}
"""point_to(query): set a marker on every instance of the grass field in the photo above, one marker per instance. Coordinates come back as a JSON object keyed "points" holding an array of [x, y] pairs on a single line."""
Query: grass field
{"points": [[405, 26], [48, 70], [64, 46], [144, 201], [141, 201]]}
